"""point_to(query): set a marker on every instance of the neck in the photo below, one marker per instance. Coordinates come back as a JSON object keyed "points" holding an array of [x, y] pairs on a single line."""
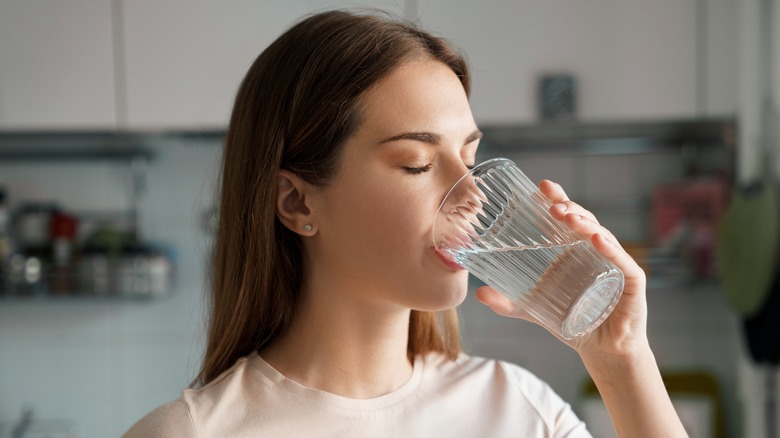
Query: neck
{"points": [[342, 344]]}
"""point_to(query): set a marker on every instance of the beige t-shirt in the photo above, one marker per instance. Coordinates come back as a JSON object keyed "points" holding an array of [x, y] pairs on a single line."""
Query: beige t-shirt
{"points": [[468, 397]]}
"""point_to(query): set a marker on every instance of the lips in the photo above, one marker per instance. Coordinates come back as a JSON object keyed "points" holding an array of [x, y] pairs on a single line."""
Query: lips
{"points": [[449, 263]]}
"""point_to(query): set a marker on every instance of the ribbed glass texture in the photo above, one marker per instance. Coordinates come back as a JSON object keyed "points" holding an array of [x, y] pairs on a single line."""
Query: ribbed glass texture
{"points": [[496, 224]]}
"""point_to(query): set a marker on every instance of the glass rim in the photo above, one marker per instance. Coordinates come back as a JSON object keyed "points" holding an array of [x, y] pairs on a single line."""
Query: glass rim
{"points": [[487, 164], [481, 167]]}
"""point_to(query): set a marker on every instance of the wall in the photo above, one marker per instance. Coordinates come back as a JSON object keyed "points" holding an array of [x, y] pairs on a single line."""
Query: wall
{"points": [[104, 364], [631, 59]]}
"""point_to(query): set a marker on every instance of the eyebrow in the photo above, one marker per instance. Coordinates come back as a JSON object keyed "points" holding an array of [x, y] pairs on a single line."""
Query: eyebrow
{"points": [[429, 137]]}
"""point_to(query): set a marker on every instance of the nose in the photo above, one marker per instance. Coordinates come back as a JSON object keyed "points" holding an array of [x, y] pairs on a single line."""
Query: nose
{"points": [[464, 193], [453, 180], [459, 211]]}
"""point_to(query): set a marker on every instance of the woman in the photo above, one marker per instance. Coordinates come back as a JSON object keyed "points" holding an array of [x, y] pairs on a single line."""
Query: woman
{"points": [[331, 313]]}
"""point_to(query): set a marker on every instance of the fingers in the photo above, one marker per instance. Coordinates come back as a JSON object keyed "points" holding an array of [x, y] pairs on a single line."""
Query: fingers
{"points": [[560, 209], [586, 225], [615, 253], [498, 303], [582, 221], [553, 191], [561, 203], [605, 243]]}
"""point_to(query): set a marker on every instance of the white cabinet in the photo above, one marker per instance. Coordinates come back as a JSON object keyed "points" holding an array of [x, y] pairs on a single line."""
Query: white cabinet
{"points": [[56, 65], [632, 59], [186, 59], [176, 64], [719, 73]]}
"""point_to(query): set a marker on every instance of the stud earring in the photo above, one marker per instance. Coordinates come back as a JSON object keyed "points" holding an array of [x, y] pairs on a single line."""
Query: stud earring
{"points": [[308, 228]]}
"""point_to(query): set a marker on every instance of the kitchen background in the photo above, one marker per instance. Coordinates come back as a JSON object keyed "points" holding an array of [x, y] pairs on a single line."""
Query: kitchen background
{"points": [[111, 117]]}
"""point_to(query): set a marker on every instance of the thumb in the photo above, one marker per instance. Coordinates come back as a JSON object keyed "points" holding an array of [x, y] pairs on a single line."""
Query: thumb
{"points": [[500, 304]]}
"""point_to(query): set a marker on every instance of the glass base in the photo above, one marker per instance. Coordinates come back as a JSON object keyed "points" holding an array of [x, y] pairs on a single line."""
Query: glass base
{"points": [[594, 305]]}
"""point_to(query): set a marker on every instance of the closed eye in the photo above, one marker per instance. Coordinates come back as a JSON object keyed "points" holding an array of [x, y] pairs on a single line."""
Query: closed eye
{"points": [[417, 170]]}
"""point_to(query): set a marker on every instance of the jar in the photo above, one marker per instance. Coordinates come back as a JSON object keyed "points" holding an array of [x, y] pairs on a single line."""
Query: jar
{"points": [[32, 225], [93, 271]]}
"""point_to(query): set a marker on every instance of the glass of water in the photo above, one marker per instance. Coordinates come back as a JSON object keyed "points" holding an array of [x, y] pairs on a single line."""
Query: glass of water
{"points": [[496, 224]]}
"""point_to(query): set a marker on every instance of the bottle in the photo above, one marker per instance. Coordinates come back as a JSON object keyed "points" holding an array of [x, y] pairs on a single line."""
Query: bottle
{"points": [[62, 231]]}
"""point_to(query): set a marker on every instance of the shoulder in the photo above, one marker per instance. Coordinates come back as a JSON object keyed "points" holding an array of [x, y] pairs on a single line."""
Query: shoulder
{"points": [[194, 412], [170, 420], [475, 367], [502, 385]]}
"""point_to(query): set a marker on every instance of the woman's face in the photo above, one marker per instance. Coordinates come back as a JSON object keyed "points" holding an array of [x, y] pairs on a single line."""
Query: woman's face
{"points": [[416, 138]]}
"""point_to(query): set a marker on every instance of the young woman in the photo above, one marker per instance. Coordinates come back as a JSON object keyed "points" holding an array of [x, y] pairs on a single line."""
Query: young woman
{"points": [[332, 315]]}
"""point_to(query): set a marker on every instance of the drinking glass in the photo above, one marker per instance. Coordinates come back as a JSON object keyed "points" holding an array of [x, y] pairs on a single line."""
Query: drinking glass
{"points": [[495, 223]]}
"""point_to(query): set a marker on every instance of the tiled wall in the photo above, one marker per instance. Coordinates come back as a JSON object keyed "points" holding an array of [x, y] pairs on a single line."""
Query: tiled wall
{"points": [[105, 364]]}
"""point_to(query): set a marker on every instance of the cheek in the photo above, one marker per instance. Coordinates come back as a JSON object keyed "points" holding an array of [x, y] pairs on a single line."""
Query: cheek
{"points": [[387, 220], [406, 209], [392, 214]]}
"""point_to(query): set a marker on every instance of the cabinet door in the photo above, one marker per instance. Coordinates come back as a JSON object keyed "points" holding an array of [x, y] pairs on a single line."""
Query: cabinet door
{"points": [[719, 75], [56, 66], [186, 59], [632, 59]]}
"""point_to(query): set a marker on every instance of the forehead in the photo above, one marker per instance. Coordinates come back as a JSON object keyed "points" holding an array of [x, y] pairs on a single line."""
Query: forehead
{"points": [[419, 94]]}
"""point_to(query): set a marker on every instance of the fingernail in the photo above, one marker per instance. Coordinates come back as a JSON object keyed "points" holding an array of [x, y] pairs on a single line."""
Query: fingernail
{"points": [[607, 241], [561, 207]]}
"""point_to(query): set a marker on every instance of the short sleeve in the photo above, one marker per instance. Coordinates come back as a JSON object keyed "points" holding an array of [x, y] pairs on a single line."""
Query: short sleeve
{"points": [[169, 420], [561, 420]]}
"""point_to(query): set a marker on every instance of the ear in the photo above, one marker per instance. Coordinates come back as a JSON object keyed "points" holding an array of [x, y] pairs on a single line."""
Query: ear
{"points": [[291, 204]]}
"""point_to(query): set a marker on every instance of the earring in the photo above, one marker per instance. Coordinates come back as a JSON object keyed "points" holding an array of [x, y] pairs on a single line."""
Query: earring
{"points": [[308, 228]]}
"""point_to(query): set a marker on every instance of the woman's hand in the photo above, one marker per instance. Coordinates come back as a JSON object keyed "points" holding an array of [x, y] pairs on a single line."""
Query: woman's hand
{"points": [[623, 334], [616, 354]]}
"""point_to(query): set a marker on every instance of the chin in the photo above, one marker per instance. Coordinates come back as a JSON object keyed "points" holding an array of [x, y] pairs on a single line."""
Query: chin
{"points": [[444, 296]]}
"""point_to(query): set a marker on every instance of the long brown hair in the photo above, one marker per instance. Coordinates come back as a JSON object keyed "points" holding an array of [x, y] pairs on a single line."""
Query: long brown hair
{"points": [[294, 110]]}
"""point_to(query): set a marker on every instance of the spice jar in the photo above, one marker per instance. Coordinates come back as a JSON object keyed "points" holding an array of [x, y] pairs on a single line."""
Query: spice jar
{"points": [[62, 230]]}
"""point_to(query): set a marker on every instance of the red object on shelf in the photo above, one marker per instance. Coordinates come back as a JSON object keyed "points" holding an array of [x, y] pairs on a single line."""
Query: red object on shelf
{"points": [[699, 204], [63, 225], [685, 218]]}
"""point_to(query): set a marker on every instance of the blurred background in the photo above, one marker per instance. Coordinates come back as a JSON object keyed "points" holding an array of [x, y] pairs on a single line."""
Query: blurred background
{"points": [[658, 116]]}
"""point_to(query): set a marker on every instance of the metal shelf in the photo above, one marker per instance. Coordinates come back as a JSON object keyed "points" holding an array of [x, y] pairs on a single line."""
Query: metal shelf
{"points": [[130, 149], [609, 138], [55, 146], [554, 137], [81, 298], [74, 154]]}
